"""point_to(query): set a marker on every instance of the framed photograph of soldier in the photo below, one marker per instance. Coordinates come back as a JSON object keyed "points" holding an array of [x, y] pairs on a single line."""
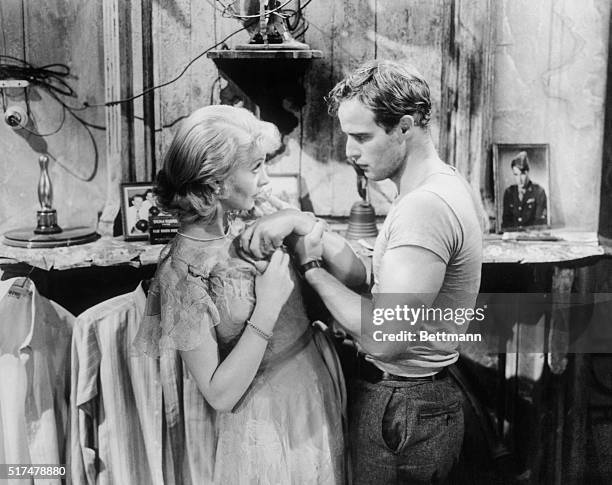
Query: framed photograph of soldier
{"points": [[521, 174]]}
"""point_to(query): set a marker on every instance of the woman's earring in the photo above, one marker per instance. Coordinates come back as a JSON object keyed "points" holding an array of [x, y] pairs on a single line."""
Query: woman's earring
{"points": [[217, 190]]}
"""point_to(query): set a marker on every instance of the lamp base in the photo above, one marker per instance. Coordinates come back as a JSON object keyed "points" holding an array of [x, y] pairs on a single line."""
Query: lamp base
{"points": [[28, 238], [362, 221], [285, 45], [47, 222]]}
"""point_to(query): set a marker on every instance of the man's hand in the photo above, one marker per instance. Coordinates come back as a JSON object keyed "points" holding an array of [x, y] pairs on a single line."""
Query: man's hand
{"points": [[268, 232], [310, 247]]}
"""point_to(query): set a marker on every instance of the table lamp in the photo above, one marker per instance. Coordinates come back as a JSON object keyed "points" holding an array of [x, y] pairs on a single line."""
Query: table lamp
{"points": [[48, 234], [362, 219]]}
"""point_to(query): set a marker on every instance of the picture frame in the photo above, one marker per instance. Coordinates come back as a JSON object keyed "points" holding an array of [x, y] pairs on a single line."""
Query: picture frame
{"points": [[136, 201], [286, 186], [521, 175]]}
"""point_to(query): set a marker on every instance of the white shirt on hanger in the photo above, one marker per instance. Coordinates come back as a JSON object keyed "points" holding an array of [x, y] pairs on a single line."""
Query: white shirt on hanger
{"points": [[35, 338]]}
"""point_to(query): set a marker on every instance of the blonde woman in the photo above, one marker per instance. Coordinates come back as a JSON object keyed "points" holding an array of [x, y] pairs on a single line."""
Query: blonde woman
{"points": [[269, 405]]}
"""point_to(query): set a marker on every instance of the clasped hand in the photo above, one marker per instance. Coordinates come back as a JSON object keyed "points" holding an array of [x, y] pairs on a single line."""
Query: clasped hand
{"points": [[301, 231]]}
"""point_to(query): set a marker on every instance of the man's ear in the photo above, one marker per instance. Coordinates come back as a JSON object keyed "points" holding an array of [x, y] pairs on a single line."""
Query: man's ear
{"points": [[406, 122]]}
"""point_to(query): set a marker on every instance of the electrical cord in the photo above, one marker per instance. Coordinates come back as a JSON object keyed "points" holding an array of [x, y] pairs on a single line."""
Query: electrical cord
{"points": [[232, 13], [165, 125], [87, 126], [227, 12], [51, 76], [44, 134], [89, 178], [75, 116], [94, 145], [153, 88], [296, 23], [213, 4]]}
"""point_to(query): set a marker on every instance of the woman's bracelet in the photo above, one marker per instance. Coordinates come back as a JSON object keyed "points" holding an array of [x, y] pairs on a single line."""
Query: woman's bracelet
{"points": [[264, 335]]}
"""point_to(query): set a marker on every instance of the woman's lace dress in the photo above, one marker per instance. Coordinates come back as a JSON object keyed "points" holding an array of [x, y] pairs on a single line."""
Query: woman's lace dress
{"points": [[287, 428]]}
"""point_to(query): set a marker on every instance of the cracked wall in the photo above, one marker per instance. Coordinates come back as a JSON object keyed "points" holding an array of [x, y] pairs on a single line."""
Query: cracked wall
{"points": [[550, 77]]}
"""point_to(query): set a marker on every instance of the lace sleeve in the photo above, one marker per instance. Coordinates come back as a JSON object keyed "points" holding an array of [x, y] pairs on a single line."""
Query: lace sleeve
{"points": [[177, 313]]}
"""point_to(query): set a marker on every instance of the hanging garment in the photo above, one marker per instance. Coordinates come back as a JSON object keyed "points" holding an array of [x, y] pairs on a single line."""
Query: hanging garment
{"points": [[34, 362], [116, 399]]}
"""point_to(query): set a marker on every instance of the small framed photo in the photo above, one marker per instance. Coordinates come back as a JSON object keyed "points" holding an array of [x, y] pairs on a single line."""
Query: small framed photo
{"points": [[286, 187], [521, 174], [137, 201]]}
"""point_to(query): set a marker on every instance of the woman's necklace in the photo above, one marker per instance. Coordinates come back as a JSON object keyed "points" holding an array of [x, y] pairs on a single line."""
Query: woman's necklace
{"points": [[205, 239]]}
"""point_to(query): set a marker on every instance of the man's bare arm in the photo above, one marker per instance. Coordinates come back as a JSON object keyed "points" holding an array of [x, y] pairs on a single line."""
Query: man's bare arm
{"points": [[342, 262], [409, 275]]}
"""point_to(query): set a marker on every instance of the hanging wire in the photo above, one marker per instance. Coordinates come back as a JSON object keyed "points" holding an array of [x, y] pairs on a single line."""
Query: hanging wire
{"points": [[37, 133], [232, 13], [153, 88], [52, 77], [90, 177]]}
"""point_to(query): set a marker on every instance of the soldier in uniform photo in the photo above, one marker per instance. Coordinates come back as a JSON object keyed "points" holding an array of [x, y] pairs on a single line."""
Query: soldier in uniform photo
{"points": [[525, 202]]}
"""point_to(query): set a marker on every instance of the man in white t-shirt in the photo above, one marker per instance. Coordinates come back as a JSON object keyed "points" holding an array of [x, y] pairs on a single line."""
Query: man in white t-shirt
{"points": [[405, 419]]}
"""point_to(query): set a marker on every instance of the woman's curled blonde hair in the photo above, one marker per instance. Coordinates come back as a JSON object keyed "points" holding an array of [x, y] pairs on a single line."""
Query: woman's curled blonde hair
{"points": [[208, 146]]}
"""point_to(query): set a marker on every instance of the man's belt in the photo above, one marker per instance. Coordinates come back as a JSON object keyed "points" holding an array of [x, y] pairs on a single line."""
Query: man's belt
{"points": [[369, 372]]}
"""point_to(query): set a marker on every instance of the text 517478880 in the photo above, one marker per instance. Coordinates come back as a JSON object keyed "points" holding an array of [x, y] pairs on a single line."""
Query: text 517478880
{"points": [[27, 472]]}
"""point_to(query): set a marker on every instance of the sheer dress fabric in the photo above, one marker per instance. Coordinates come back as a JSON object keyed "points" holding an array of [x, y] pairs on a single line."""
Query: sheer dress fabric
{"points": [[288, 427]]}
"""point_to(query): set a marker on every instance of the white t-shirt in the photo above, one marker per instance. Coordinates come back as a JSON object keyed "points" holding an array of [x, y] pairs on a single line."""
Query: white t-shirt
{"points": [[440, 216]]}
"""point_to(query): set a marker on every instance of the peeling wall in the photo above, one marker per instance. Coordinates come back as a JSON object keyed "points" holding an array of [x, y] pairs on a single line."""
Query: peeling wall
{"points": [[550, 65], [424, 33], [550, 78], [47, 32]]}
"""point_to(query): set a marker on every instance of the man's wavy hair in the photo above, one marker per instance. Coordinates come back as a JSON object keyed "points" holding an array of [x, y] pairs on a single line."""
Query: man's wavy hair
{"points": [[208, 146], [391, 90]]}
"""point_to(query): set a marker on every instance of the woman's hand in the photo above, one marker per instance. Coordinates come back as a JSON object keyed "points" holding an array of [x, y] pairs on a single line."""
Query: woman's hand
{"points": [[272, 289], [223, 383]]}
